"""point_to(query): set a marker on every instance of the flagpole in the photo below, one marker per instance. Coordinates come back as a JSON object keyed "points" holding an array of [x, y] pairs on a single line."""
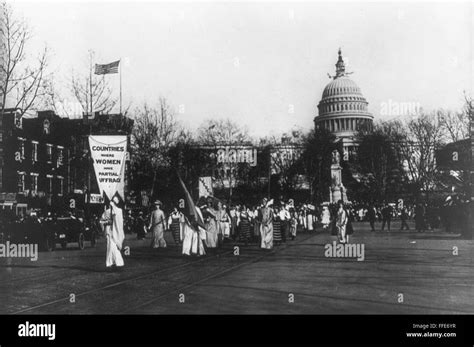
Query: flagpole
{"points": [[90, 86], [120, 85]]}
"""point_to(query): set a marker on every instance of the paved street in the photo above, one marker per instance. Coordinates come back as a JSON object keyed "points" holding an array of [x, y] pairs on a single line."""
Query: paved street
{"points": [[420, 266]]}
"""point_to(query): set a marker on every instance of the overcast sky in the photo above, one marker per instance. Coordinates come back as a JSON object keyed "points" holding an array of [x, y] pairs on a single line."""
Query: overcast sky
{"points": [[250, 61]]}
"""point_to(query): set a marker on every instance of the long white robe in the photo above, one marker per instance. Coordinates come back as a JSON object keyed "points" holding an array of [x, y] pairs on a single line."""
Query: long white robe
{"points": [[158, 227], [114, 234], [266, 232], [325, 217], [211, 228], [266, 228], [193, 240], [310, 221], [341, 223]]}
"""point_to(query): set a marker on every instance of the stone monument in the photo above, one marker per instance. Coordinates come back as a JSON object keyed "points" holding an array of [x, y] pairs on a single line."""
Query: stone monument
{"points": [[337, 191]]}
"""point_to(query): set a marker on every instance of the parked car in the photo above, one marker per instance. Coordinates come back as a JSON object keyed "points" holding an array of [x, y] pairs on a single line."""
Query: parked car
{"points": [[47, 232], [30, 229], [71, 229]]}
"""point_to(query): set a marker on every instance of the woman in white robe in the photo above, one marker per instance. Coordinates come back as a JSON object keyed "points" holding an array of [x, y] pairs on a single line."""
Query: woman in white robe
{"points": [[325, 218], [341, 223], [223, 223], [211, 225], [194, 237], [158, 226], [310, 220], [266, 226], [112, 219]]}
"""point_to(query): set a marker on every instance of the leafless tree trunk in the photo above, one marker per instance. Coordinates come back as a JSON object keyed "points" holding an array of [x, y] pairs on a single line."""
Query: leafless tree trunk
{"points": [[455, 125], [21, 85], [155, 131], [423, 139]]}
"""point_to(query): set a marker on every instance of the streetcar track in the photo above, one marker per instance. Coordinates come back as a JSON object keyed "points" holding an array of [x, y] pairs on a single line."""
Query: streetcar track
{"points": [[220, 273], [350, 299], [249, 252], [115, 284], [52, 263], [111, 285]]}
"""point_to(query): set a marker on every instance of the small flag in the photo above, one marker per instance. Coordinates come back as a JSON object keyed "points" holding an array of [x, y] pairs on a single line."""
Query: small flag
{"points": [[192, 211], [205, 186], [104, 69]]}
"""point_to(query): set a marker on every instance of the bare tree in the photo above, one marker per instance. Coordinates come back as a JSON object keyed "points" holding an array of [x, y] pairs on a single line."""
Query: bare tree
{"points": [[469, 111], [219, 132], [455, 125], [424, 137], [21, 84], [93, 92], [379, 160], [155, 131], [285, 152]]}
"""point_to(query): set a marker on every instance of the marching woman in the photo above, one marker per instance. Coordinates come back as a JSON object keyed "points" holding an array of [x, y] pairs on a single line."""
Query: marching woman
{"points": [[277, 222], [234, 221], [158, 226], [223, 223], [140, 226], [256, 224], [325, 218], [285, 217], [341, 222], [244, 226], [209, 214], [310, 220], [174, 222], [194, 236], [266, 225], [349, 227], [112, 219], [302, 217], [293, 224]]}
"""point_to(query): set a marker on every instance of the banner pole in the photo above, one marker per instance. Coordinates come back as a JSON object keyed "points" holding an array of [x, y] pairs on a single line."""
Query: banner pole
{"points": [[120, 85], [90, 87]]}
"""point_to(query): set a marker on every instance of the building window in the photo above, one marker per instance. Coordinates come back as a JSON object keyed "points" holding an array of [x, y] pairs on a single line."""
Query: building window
{"points": [[50, 183], [49, 153], [34, 182], [61, 185], [21, 182], [18, 120], [60, 156], [46, 125], [21, 148], [34, 151]]}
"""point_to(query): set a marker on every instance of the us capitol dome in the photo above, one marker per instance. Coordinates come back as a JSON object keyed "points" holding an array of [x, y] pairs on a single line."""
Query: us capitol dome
{"points": [[343, 109]]}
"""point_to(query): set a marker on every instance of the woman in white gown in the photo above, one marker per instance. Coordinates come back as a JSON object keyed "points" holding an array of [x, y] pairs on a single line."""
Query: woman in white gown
{"points": [[112, 219], [266, 226], [194, 237], [158, 226], [325, 218], [211, 225]]}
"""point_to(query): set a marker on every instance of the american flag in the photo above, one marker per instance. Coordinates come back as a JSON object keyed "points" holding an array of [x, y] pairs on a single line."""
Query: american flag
{"points": [[104, 69]]}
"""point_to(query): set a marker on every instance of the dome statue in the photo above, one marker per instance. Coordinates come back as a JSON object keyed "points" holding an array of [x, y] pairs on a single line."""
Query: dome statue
{"points": [[343, 110]]}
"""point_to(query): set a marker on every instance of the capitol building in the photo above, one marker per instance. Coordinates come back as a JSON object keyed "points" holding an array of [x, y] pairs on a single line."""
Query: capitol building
{"points": [[343, 109]]}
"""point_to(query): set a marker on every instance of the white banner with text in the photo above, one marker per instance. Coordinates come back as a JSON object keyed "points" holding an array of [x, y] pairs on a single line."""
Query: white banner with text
{"points": [[108, 154]]}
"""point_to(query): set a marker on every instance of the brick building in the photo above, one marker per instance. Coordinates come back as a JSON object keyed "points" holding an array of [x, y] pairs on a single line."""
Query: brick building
{"points": [[46, 158]]}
